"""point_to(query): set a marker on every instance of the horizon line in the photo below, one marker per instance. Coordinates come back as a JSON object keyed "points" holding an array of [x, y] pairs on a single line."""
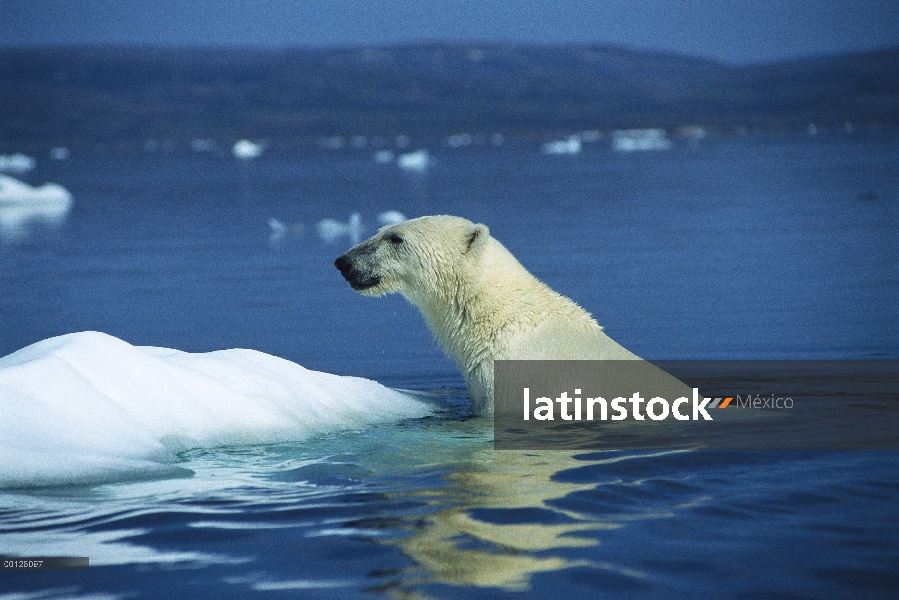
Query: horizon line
{"points": [[424, 43]]}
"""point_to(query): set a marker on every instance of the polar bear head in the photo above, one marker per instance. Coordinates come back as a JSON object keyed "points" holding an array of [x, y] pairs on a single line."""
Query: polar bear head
{"points": [[417, 257]]}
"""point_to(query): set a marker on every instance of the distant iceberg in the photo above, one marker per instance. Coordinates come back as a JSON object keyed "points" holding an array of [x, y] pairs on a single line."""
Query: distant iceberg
{"points": [[414, 161], [637, 140], [281, 230], [59, 153], [89, 408], [204, 145], [458, 140], [330, 229], [13, 191], [571, 145], [22, 204], [383, 157], [693, 132], [390, 217], [245, 149], [17, 163], [334, 142]]}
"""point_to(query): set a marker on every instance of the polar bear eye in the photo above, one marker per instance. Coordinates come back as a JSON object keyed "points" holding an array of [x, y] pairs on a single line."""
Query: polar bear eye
{"points": [[394, 238]]}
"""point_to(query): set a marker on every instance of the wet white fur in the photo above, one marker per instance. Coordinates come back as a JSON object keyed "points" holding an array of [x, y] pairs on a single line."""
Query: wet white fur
{"points": [[478, 300]]}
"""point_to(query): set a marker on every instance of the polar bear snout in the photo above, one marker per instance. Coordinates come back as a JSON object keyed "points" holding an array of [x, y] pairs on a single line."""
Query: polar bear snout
{"points": [[343, 265], [358, 278]]}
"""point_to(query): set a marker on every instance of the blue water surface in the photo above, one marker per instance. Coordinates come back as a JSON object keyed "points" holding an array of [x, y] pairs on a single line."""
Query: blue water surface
{"points": [[760, 246]]}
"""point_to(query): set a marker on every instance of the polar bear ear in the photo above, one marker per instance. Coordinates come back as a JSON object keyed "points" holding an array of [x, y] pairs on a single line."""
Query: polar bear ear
{"points": [[475, 238]]}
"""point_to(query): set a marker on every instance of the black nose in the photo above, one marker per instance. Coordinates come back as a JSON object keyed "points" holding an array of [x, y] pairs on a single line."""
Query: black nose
{"points": [[343, 265]]}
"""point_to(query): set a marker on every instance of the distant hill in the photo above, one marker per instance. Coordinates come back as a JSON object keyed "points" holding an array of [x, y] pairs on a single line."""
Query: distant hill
{"points": [[293, 97]]}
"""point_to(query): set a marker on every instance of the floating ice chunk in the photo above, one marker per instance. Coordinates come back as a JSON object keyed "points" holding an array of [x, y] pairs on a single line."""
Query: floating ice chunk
{"points": [[88, 407], [13, 191], [459, 140], [414, 161], [278, 228], [204, 145], [21, 205], [638, 140], [281, 230], [17, 163], [383, 157], [59, 153], [245, 149], [572, 145], [693, 132], [335, 142], [330, 229], [390, 217], [16, 220]]}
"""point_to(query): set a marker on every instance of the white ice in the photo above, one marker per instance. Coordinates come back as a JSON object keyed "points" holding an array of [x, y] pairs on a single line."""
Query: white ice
{"points": [[21, 205], [245, 149], [391, 217], [59, 153], [88, 407], [281, 230], [330, 230], [572, 145], [17, 163], [383, 157], [637, 140], [414, 161], [19, 193]]}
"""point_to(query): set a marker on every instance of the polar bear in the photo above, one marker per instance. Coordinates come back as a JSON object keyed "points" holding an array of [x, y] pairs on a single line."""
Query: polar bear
{"points": [[479, 302]]}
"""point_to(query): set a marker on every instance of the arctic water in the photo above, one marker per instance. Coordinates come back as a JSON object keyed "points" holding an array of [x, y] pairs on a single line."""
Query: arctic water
{"points": [[778, 246]]}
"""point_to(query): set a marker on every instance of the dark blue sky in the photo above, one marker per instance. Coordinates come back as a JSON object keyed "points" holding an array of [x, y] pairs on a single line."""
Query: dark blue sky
{"points": [[729, 30]]}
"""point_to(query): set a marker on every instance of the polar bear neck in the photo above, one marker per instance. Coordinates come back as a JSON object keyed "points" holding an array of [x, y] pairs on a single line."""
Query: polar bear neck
{"points": [[479, 305]]}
